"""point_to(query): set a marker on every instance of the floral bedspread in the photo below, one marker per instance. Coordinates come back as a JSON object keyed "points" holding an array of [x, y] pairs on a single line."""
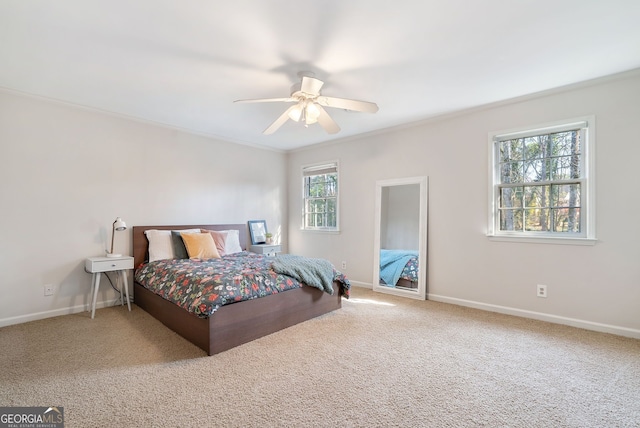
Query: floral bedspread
{"points": [[202, 286], [410, 271]]}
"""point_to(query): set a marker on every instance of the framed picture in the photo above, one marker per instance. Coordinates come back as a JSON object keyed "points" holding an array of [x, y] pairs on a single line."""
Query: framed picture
{"points": [[258, 230]]}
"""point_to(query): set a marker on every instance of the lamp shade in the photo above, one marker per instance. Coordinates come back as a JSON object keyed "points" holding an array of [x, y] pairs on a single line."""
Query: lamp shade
{"points": [[118, 225], [312, 111], [296, 113]]}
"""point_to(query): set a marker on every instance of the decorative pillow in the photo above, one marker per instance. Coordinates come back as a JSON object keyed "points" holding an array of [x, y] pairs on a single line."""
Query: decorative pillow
{"points": [[219, 237], [232, 243], [179, 250], [161, 244], [188, 230], [200, 246]]}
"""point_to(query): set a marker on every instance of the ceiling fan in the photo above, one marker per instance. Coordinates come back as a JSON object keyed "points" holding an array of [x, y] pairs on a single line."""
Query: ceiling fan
{"points": [[309, 105]]}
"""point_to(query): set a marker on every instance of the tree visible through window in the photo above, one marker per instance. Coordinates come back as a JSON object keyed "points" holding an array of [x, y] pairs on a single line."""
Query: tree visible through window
{"points": [[540, 182], [321, 197]]}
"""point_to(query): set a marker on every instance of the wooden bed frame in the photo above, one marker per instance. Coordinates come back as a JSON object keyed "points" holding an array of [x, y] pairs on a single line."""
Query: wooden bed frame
{"points": [[406, 283], [236, 323]]}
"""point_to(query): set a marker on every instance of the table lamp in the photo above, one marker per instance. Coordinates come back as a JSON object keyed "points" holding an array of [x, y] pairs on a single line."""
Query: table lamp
{"points": [[118, 225]]}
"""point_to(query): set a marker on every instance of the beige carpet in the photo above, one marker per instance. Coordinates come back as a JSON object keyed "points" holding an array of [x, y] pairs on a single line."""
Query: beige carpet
{"points": [[379, 361]]}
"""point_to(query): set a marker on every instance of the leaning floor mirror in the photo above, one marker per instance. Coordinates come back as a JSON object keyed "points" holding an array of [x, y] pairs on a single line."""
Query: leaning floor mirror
{"points": [[400, 237]]}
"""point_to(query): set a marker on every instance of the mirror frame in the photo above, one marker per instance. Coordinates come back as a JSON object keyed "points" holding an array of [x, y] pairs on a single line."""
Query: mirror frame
{"points": [[421, 292]]}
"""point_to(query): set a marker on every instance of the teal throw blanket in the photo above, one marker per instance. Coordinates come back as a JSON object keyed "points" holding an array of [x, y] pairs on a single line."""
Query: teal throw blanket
{"points": [[318, 273], [392, 262]]}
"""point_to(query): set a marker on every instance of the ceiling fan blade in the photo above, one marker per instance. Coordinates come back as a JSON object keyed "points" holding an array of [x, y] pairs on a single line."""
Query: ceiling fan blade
{"points": [[279, 121], [267, 100], [326, 121], [311, 85], [347, 104]]}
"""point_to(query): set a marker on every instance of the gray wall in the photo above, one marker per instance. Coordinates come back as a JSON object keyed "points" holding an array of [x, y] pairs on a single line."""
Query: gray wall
{"points": [[592, 286], [67, 173]]}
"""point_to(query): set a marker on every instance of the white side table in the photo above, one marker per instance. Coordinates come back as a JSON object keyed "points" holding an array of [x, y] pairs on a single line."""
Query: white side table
{"points": [[267, 249], [119, 265]]}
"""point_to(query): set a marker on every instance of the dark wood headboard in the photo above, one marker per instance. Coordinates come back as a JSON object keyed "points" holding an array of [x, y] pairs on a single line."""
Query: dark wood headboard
{"points": [[141, 244]]}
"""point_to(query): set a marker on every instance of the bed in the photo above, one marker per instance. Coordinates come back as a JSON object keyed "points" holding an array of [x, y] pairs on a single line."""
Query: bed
{"points": [[399, 268], [234, 323]]}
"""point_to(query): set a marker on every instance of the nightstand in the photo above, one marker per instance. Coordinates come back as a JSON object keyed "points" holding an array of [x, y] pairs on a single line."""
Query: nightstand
{"points": [[119, 265], [266, 249]]}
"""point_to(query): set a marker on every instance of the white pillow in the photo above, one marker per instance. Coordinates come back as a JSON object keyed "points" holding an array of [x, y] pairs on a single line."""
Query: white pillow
{"points": [[232, 243], [160, 244]]}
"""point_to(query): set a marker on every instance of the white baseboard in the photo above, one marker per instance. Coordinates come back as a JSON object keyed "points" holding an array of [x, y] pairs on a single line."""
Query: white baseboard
{"points": [[361, 284], [53, 313], [556, 319], [587, 325]]}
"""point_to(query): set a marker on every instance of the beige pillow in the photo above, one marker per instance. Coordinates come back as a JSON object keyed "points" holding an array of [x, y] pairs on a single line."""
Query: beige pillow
{"points": [[200, 246]]}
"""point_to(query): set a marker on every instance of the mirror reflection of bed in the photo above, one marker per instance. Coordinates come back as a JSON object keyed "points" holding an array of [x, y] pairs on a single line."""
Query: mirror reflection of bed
{"points": [[399, 268], [400, 237]]}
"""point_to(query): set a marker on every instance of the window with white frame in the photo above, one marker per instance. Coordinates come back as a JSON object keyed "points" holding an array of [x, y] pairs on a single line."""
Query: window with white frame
{"points": [[542, 182], [320, 194]]}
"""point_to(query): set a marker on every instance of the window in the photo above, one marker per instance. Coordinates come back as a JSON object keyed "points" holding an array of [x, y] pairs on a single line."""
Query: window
{"points": [[542, 183], [320, 185]]}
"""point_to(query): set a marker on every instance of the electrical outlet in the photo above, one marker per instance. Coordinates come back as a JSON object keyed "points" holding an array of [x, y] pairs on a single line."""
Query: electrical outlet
{"points": [[49, 289], [542, 290], [344, 264]]}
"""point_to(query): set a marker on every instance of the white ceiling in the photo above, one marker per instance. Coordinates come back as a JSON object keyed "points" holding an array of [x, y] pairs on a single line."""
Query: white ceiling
{"points": [[183, 63]]}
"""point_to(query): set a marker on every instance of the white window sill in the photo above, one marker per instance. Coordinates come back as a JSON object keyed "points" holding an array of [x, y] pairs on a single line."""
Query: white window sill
{"points": [[543, 240], [326, 231]]}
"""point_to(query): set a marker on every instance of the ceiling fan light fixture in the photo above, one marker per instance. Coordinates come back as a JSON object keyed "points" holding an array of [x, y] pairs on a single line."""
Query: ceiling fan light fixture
{"points": [[312, 112], [309, 105], [295, 113]]}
